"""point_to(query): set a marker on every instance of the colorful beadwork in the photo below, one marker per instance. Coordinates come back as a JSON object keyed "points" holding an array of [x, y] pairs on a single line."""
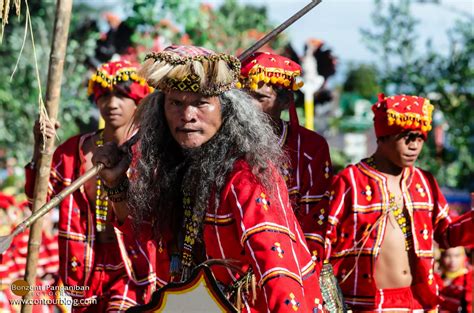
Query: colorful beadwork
{"points": [[277, 247], [263, 201], [292, 301], [191, 230], [402, 221], [101, 201]]}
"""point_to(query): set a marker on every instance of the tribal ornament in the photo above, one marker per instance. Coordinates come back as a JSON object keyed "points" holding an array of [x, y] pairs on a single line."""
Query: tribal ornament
{"points": [[190, 68]]}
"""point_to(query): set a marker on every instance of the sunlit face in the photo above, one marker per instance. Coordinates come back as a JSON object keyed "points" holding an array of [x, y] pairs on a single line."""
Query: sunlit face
{"points": [[116, 109], [402, 149], [193, 119], [265, 98], [453, 259]]}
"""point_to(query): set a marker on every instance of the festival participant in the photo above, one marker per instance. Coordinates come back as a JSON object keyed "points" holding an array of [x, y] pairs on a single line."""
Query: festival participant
{"points": [[456, 276], [385, 213], [95, 266], [271, 80], [13, 263], [207, 179]]}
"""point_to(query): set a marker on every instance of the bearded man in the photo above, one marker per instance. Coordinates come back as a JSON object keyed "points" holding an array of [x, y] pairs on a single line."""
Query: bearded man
{"points": [[205, 184]]}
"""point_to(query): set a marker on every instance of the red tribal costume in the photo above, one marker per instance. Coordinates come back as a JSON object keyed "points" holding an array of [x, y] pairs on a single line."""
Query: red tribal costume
{"points": [[251, 225], [258, 230], [13, 263], [88, 269], [309, 171], [358, 208], [457, 295]]}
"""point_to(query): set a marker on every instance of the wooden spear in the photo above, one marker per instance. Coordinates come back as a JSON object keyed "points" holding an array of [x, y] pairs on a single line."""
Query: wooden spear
{"points": [[53, 91]]}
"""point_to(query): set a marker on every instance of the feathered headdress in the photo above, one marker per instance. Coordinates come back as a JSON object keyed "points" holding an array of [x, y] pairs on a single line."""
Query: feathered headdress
{"points": [[190, 68]]}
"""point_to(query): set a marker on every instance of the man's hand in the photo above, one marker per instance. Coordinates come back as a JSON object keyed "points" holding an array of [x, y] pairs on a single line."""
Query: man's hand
{"points": [[48, 129], [116, 161]]}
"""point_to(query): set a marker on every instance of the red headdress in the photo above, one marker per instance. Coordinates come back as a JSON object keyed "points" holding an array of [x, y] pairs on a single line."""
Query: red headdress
{"points": [[108, 75], [399, 113], [270, 69], [274, 70]]}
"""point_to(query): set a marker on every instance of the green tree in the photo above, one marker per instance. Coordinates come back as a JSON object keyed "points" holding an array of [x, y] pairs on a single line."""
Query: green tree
{"points": [[228, 28], [19, 97], [362, 80], [446, 79]]}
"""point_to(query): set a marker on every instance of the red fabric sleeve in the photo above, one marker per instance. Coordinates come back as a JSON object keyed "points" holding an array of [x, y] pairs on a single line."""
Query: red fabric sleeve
{"points": [[273, 242], [449, 232], [333, 210]]}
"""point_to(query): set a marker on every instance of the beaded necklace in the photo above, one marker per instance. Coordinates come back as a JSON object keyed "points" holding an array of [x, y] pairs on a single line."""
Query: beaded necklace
{"points": [[402, 221], [101, 200], [398, 213], [191, 230]]}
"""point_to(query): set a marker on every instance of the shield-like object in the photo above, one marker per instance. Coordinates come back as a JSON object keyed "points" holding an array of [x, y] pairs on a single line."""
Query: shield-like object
{"points": [[199, 294]]}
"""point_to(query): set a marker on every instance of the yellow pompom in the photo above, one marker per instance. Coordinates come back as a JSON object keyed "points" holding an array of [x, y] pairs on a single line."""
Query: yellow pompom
{"points": [[409, 122], [391, 121], [125, 77], [266, 80], [133, 76], [254, 86], [104, 84], [286, 82], [424, 129], [94, 77], [254, 78], [98, 79], [428, 128], [398, 121], [151, 89], [273, 80], [238, 85], [416, 124]]}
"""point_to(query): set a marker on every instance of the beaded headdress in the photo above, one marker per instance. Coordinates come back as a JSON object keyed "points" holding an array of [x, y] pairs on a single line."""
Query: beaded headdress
{"points": [[399, 113], [108, 75], [272, 69], [190, 68]]}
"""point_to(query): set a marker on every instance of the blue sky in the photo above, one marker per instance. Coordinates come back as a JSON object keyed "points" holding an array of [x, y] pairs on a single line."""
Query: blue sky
{"points": [[338, 22]]}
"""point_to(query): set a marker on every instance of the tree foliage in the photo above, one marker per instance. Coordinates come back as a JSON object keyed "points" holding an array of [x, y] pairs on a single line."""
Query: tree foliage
{"points": [[19, 97], [447, 79]]}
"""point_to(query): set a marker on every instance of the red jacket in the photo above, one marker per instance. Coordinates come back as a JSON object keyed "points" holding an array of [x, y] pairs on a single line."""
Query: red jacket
{"points": [[262, 235], [308, 176], [77, 225], [357, 199]]}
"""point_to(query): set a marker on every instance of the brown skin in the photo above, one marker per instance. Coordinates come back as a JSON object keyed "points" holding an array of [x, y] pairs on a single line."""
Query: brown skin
{"points": [[394, 263], [452, 260], [117, 111], [266, 98], [192, 118]]}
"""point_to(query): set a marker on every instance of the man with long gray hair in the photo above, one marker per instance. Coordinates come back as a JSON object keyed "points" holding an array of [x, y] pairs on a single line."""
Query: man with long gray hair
{"points": [[204, 184]]}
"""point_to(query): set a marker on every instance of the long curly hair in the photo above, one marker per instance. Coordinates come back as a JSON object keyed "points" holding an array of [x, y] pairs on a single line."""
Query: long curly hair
{"points": [[164, 171]]}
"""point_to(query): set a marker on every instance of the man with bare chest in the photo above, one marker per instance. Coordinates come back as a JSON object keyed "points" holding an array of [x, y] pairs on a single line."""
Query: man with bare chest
{"points": [[92, 253], [384, 215]]}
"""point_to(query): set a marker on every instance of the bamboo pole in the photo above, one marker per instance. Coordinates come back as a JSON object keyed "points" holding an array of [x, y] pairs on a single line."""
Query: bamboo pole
{"points": [[53, 91]]}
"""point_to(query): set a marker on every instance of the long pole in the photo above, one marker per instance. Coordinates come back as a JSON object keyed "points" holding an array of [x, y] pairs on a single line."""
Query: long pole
{"points": [[278, 30], [53, 91]]}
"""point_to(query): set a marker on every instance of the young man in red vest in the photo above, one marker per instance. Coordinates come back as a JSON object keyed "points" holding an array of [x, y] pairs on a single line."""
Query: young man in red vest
{"points": [[385, 214], [95, 265], [271, 80]]}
